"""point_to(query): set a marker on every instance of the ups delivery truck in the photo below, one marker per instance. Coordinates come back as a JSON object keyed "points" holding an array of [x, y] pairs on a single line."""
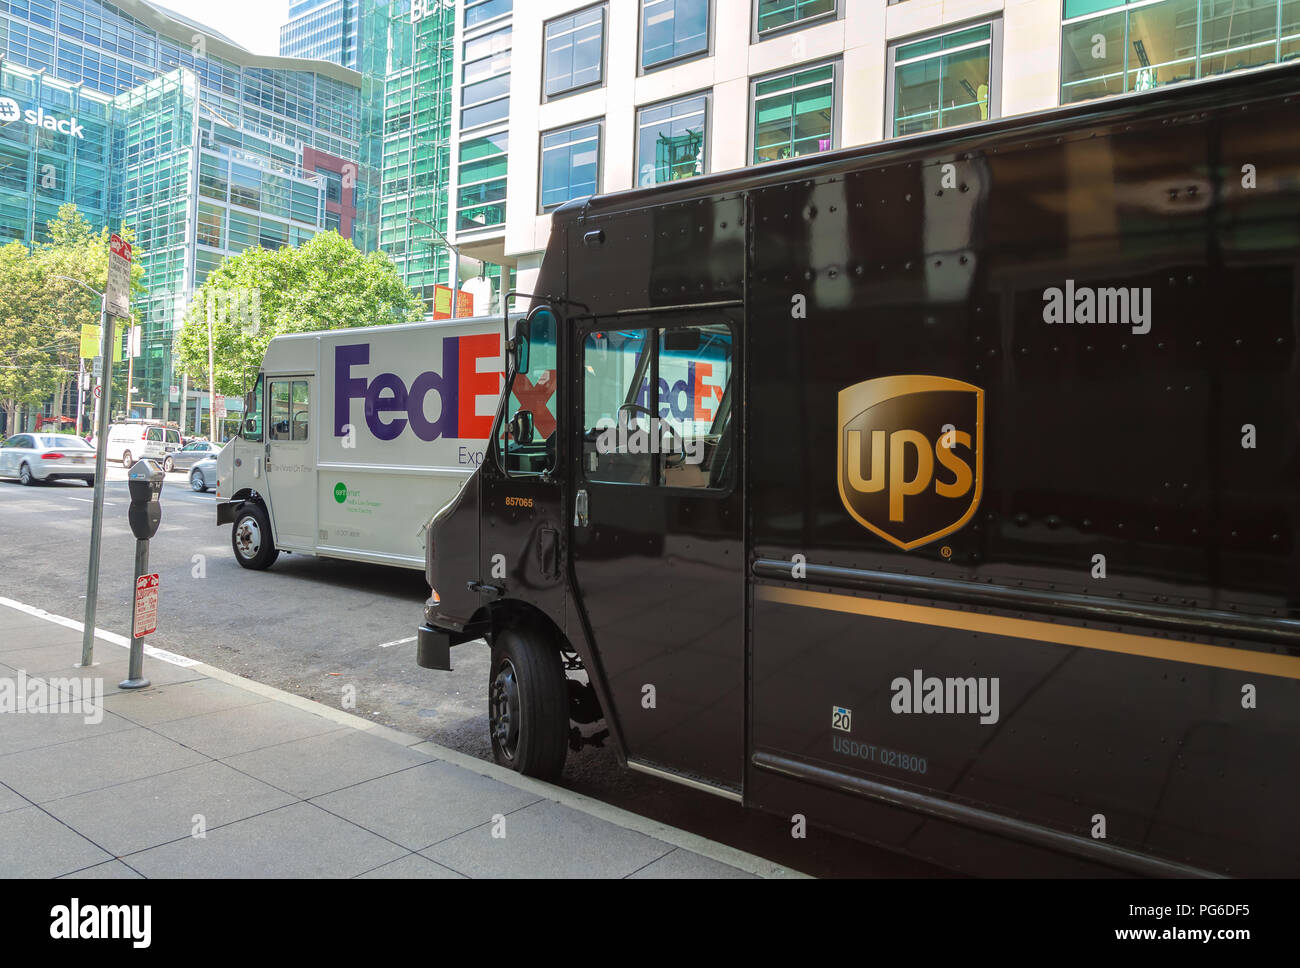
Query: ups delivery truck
{"points": [[943, 491]]}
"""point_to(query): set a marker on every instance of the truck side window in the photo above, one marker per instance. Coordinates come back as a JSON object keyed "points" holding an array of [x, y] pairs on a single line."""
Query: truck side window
{"points": [[526, 437], [657, 406], [278, 427], [301, 410], [616, 421]]}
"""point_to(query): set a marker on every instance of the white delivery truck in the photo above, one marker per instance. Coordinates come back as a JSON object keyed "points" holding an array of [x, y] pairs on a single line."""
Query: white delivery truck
{"points": [[353, 438]]}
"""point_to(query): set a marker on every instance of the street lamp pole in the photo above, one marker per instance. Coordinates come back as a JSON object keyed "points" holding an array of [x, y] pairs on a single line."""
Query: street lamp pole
{"points": [[455, 265], [101, 470]]}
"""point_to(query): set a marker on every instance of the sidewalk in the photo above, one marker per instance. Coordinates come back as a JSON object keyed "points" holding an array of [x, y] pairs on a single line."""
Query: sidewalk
{"points": [[279, 786]]}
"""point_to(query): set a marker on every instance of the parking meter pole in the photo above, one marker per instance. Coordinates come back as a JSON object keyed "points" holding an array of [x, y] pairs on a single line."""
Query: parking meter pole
{"points": [[101, 473], [144, 482], [135, 666]]}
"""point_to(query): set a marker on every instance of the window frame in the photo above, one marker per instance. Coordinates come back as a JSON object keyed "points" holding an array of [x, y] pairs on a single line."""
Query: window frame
{"points": [[604, 53], [599, 122], [462, 106], [707, 94], [837, 109], [642, 69], [995, 70], [457, 208], [757, 36]]}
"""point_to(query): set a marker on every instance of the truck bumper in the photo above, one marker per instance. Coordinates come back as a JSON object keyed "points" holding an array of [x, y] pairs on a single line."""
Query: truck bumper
{"points": [[433, 649], [226, 511]]}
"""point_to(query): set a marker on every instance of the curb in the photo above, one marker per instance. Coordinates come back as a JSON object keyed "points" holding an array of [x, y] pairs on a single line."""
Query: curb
{"points": [[731, 856]]}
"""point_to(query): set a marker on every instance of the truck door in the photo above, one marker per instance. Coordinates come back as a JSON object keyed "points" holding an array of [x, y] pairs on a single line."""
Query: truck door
{"points": [[658, 543], [290, 460]]}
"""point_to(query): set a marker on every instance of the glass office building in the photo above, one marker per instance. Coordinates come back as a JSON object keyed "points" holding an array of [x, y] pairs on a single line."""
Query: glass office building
{"points": [[407, 64], [199, 146], [322, 30]]}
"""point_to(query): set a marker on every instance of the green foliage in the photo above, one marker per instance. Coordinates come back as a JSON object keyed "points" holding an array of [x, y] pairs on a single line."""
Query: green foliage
{"points": [[327, 283], [41, 314]]}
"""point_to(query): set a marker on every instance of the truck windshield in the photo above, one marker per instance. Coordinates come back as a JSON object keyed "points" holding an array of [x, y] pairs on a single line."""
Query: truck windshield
{"points": [[526, 435]]}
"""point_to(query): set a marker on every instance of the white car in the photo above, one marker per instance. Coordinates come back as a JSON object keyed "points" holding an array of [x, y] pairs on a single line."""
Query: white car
{"points": [[47, 457]]}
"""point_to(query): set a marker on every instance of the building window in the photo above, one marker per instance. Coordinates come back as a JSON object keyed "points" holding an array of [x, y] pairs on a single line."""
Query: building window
{"points": [[670, 140], [574, 51], [481, 11], [794, 113], [332, 221], [333, 185], [671, 29], [485, 76], [779, 14], [1108, 47], [481, 182], [944, 80], [570, 164]]}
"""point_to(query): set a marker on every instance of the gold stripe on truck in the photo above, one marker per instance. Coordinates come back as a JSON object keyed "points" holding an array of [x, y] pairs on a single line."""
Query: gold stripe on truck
{"points": [[1171, 650]]}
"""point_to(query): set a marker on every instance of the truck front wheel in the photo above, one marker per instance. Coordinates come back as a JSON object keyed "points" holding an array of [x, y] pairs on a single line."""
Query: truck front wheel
{"points": [[251, 538], [528, 704]]}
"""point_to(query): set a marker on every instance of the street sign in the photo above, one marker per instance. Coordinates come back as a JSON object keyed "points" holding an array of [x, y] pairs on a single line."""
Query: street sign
{"points": [[173, 394], [99, 392], [220, 406], [146, 606], [89, 340], [97, 365], [119, 277]]}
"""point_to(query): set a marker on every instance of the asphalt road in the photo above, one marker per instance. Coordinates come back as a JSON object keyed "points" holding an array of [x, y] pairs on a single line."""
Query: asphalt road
{"points": [[316, 627]]}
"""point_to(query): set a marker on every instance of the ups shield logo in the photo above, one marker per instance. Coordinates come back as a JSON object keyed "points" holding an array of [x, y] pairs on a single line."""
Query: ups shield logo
{"points": [[910, 456]]}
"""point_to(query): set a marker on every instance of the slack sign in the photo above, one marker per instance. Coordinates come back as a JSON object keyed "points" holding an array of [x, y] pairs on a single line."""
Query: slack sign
{"points": [[390, 405], [10, 111]]}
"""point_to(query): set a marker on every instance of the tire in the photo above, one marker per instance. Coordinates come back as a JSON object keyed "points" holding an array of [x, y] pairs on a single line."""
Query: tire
{"points": [[168, 465], [25, 475], [528, 704], [197, 483], [250, 536], [126, 459]]}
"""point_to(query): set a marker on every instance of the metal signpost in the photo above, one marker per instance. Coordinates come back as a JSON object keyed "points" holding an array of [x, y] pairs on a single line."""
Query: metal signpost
{"points": [[116, 301]]}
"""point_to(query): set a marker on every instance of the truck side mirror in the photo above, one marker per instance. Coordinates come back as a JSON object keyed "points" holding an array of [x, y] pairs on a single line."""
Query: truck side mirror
{"points": [[250, 425], [521, 426], [520, 345], [145, 481]]}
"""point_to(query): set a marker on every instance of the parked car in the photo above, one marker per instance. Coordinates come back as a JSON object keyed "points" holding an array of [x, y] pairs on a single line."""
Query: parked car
{"points": [[47, 457], [189, 455], [204, 474]]}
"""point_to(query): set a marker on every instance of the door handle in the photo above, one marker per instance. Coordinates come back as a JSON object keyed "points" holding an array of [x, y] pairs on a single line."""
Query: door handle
{"points": [[580, 516], [267, 459]]}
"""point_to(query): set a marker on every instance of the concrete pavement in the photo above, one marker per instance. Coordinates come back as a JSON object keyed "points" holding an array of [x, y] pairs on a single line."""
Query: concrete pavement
{"points": [[206, 774]]}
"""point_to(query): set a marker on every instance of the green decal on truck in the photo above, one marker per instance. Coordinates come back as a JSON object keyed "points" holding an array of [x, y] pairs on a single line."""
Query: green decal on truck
{"points": [[340, 492]]}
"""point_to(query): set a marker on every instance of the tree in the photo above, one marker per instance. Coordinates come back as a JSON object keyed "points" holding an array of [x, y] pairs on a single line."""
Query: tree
{"points": [[41, 314], [326, 283]]}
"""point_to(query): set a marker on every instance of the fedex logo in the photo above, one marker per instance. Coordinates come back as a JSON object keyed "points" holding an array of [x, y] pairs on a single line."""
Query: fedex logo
{"points": [[688, 399], [390, 405]]}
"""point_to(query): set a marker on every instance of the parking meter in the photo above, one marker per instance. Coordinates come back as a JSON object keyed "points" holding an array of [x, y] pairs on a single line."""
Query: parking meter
{"points": [[145, 480]]}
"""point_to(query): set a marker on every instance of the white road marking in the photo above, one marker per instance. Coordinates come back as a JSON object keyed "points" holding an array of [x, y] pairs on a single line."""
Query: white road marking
{"points": [[107, 636], [409, 638]]}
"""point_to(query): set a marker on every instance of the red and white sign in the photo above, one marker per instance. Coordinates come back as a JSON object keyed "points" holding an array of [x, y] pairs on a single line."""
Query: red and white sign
{"points": [[219, 408], [146, 606], [119, 277], [99, 392]]}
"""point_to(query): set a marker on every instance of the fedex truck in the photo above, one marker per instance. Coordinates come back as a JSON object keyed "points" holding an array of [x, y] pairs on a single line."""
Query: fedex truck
{"points": [[353, 438]]}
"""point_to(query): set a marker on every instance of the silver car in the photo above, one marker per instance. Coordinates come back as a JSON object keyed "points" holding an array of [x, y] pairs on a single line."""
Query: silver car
{"points": [[189, 455], [204, 474], [47, 457]]}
